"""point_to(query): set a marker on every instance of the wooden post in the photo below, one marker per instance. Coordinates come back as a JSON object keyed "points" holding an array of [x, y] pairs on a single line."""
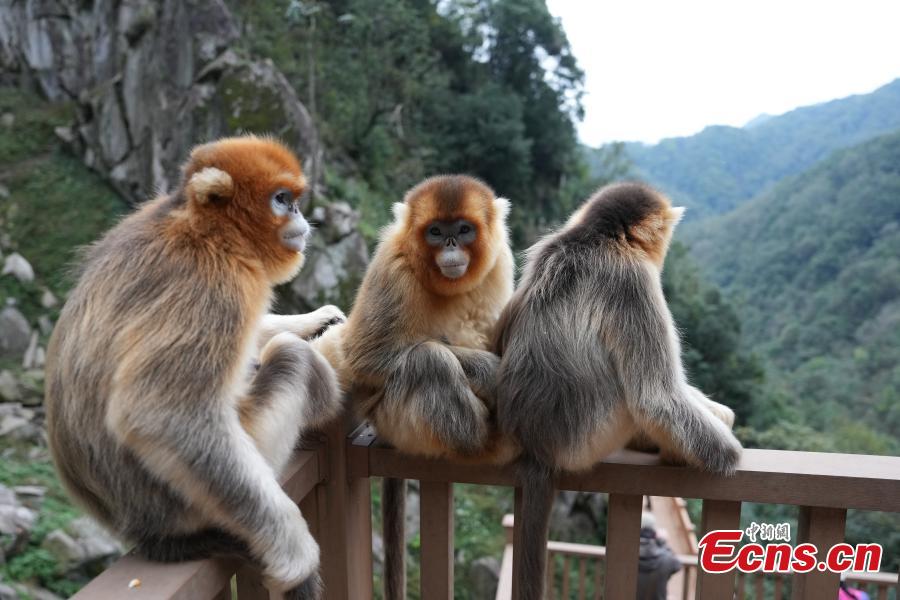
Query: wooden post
{"points": [[436, 534], [623, 540], [345, 519], [823, 527], [718, 514]]}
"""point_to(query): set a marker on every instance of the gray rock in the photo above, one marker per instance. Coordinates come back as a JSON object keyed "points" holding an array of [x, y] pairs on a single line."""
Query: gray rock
{"points": [[16, 520], [7, 496], [34, 355], [8, 593], [331, 272], [16, 265], [17, 422], [576, 516], [33, 381], [65, 134], [7, 119], [4, 191], [13, 423], [45, 324], [484, 577], [67, 552], [48, 300], [31, 496], [335, 221], [15, 333], [96, 543], [9, 387], [152, 80]]}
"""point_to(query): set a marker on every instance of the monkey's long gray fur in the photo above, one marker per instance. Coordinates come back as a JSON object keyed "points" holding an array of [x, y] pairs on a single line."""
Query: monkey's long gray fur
{"points": [[590, 357]]}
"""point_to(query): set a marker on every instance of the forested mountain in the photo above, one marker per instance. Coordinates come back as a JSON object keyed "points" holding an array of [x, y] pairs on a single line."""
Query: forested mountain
{"points": [[402, 89], [720, 167], [815, 266]]}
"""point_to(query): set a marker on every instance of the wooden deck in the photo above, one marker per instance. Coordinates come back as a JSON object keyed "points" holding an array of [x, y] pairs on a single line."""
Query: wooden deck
{"points": [[331, 482]]}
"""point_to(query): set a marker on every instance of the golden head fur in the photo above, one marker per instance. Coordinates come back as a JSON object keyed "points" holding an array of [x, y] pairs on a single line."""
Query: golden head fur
{"points": [[450, 198], [226, 188]]}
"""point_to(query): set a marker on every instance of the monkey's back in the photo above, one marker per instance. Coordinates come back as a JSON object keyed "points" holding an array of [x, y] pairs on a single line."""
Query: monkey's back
{"points": [[559, 388], [113, 318]]}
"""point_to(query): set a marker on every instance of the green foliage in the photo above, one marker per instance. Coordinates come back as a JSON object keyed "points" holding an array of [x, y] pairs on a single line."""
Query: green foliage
{"points": [[719, 168], [37, 564], [711, 336], [816, 272], [479, 532], [402, 89]]}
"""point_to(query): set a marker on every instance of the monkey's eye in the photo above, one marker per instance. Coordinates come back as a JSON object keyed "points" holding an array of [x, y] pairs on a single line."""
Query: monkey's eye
{"points": [[465, 229], [434, 231], [282, 198]]}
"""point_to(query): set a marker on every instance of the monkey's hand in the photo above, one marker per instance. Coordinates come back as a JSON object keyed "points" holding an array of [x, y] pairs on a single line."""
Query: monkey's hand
{"points": [[430, 386], [480, 368], [306, 326], [322, 318]]}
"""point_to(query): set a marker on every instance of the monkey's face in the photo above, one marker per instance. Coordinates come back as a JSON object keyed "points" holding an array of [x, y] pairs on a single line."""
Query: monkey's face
{"points": [[450, 240], [452, 230], [294, 229], [251, 186]]}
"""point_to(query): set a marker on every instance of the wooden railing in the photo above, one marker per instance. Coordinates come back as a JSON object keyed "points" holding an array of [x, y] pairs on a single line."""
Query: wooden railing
{"points": [[331, 483], [588, 563]]}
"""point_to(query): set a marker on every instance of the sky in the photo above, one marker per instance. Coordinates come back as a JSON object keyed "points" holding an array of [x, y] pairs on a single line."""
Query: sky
{"points": [[665, 68]]}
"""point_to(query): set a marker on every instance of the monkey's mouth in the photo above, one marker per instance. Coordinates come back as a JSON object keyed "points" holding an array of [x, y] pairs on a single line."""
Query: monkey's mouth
{"points": [[454, 271], [295, 240]]}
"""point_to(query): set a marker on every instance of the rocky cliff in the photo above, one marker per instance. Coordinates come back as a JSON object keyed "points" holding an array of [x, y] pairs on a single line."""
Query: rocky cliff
{"points": [[151, 79]]}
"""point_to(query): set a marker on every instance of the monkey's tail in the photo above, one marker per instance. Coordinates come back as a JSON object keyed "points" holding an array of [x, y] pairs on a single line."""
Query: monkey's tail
{"points": [[393, 520], [536, 480]]}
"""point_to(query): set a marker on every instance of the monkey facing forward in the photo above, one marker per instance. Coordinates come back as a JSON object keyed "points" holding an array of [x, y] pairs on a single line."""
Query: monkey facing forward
{"points": [[590, 358], [414, 349], [157, 424]]}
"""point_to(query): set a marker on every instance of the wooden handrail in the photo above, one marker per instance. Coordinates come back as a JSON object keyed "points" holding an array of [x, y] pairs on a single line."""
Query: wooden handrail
{"points": [[331, 483], [857, 481]]}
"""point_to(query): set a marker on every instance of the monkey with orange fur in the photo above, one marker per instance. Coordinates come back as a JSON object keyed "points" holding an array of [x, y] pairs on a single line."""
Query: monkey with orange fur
{"points": [[157, 423], [414, 349]]}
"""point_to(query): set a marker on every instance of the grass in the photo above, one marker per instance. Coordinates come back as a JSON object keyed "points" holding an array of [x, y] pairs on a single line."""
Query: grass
{"points": [[55, 204]]}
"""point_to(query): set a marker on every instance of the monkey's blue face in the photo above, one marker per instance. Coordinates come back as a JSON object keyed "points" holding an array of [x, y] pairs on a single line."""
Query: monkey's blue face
{"points": [[295, 230], [449, 239]]}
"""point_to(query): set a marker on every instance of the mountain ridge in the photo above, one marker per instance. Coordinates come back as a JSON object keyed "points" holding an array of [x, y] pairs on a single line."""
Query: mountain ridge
{"points": [[721, 167]]}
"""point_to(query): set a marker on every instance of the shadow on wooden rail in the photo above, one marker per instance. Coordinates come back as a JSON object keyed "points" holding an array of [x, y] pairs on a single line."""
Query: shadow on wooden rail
{"points": [[330, 482]]}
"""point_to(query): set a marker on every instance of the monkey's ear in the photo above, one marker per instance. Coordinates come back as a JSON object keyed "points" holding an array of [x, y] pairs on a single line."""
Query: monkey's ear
{"points": [[675, 214], [502, 206], [400, 210], [209, 185]]}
